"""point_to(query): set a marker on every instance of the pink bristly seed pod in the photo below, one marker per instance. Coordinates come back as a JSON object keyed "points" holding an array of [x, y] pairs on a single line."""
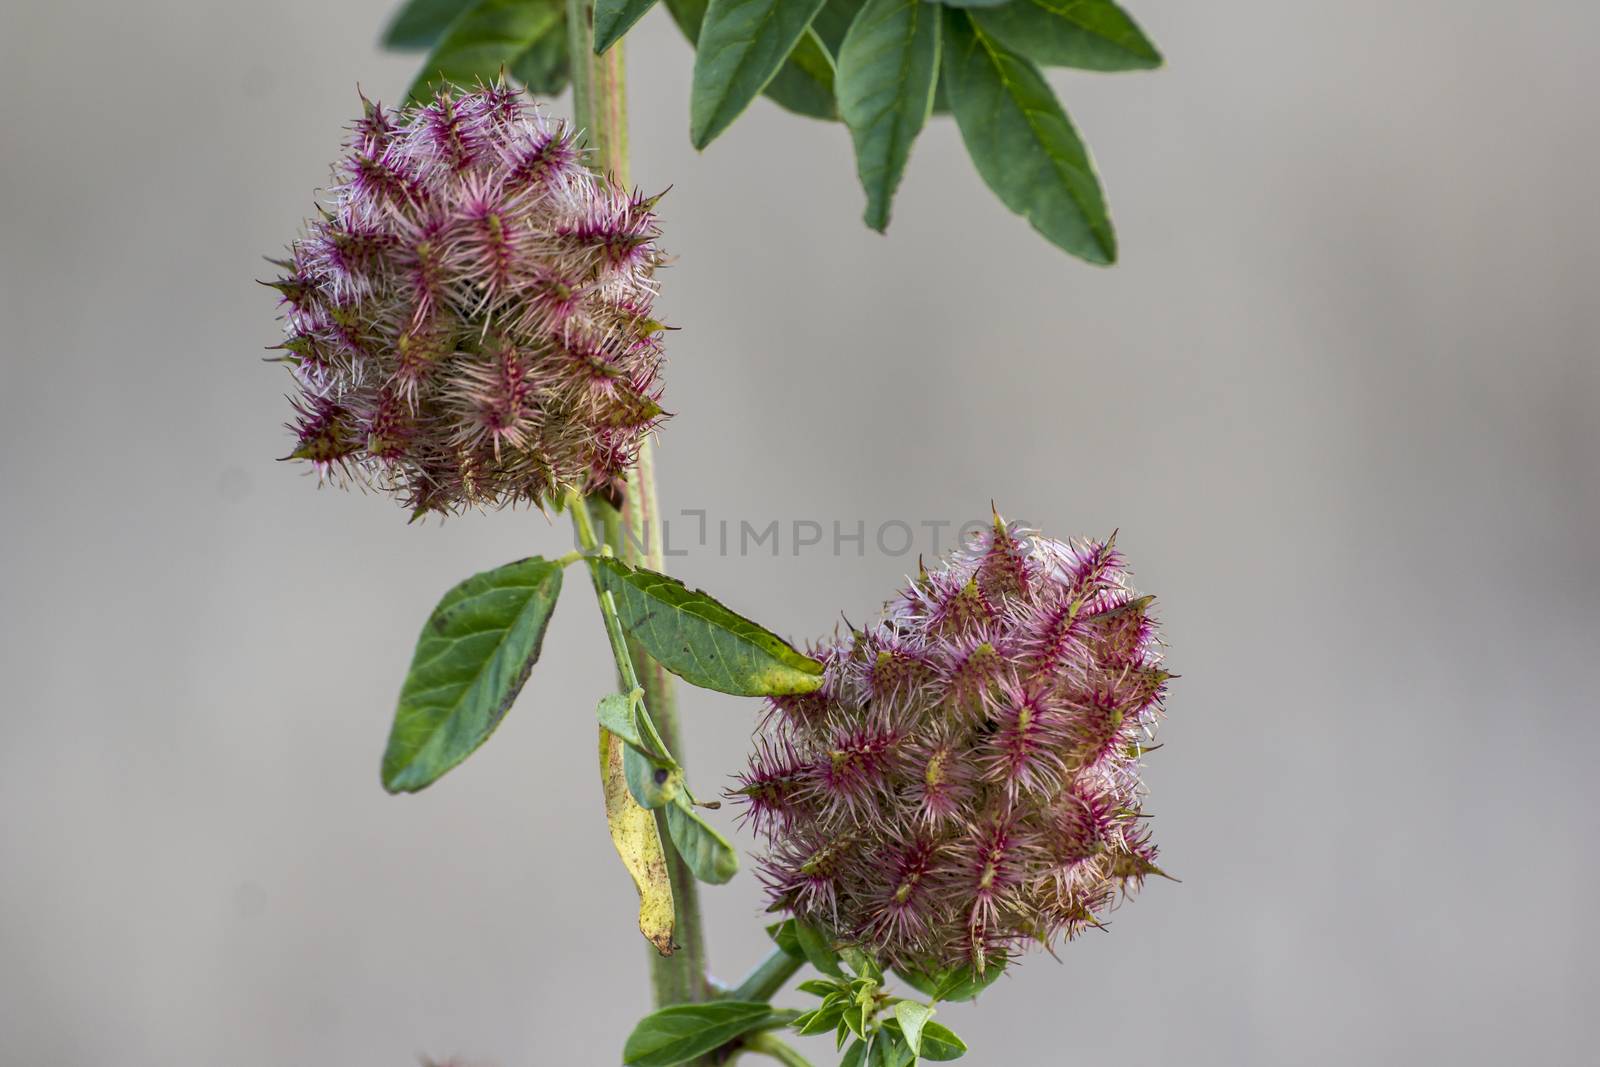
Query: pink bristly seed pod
{"points": [[966, 782], [468, 318]]}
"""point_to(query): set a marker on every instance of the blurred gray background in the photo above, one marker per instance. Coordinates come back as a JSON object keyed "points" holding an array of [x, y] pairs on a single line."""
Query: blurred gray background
{"points": [[1340, 400]]}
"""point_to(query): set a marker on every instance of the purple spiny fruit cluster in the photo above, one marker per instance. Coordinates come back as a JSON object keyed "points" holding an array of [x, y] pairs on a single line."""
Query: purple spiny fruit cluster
{"points": [[469, 317], [966, 782]]}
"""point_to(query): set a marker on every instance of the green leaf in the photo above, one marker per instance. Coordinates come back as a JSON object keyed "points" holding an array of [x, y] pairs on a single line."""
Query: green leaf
{"points": [[855, 1019], [856, 1057], [1088, 34], [616, 714], [653, 783], [888, 65], [955, 984], [822, 1020], [889, 1048], [804, 84], [912, 1016], [683, 1031], [707, 852], [970, 3], [818, 987], [1022, 142], [938, 1042], [784, 937], [473, 656], [741, 45], [834, 20], [699, 640], [817, 949], [792, 87], [545, 67], [861, 963], [613, 18], [941, 95], [490, 36], [418, 24]]}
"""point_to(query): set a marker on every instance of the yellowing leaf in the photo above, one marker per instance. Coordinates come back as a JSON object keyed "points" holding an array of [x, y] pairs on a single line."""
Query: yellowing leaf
{"points": [[633, 833]]}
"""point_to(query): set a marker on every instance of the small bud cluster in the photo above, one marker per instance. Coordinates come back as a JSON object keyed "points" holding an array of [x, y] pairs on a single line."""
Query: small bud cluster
{"points": [[966, 781], [468, 319]]}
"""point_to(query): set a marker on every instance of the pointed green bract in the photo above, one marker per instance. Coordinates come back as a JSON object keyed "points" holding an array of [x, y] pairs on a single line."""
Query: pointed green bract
{"points": [[1087, 34], [487, 37], [1022, 142], [683, 1031], [741, 45], [693, 636], [888, 66], [418, 24], [473, 656], [707, 852], [613, 18]]}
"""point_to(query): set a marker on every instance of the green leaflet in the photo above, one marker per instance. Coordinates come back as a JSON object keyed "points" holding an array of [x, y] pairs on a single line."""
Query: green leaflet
{"points": [[834, 20], [888, 65], [960, 983], [613, 18], [818, 952], [473, 656], [418, 24], [653, 778], [683, 1031], [616, 714], [1022, 142], [707, 852], [740, 47], [693, 636], [652, 783], [889, 1048], [805, 82], [487, 37], [544, 68], [799, 84], [1088, 34], [912, 1016], [939, 1043], [783, 935]]}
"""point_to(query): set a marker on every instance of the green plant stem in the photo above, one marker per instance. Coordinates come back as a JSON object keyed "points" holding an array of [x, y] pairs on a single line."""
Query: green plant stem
{"points": [[581, 522], [768, 977], [599, 104], [768, 1045]]}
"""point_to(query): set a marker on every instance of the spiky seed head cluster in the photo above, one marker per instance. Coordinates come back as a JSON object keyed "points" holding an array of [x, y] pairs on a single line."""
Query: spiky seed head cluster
{"points": [[966, 781], [468, 318]]}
